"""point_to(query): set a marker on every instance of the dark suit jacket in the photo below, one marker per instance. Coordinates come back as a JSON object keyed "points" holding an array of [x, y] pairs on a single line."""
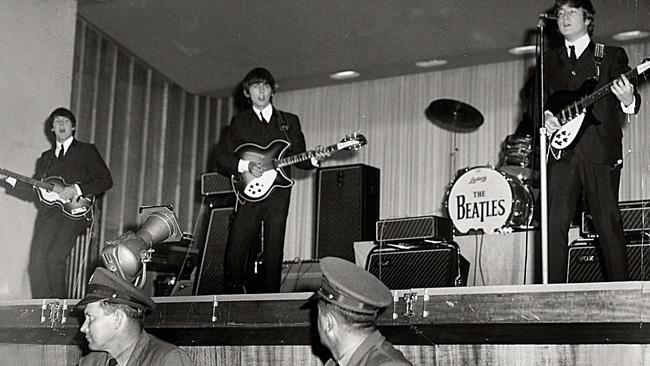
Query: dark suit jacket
{"points": [[247, 128], [601, 141], [82, 165]]}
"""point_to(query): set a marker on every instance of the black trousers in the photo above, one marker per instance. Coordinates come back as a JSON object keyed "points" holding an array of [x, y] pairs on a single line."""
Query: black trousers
{"points": [[567, 179], [245, 234], [54, 236]]}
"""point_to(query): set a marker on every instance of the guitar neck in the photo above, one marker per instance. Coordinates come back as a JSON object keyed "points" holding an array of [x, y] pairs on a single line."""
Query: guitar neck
{"points": [[28, 180], [603, 91], [295, 159]]}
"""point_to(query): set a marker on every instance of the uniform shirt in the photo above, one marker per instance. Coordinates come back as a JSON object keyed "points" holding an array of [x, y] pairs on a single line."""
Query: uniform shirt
{"points": [[374, 350], [148, 351]]}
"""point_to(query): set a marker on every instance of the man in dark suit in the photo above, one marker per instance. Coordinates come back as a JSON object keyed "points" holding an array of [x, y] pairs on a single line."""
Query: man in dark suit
{"points": [[261, 124], [81, 166], [591, 166]]}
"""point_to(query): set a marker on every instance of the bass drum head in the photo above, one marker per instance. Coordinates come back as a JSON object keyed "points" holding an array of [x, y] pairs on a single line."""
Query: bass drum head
{"points": [[480, 199]]}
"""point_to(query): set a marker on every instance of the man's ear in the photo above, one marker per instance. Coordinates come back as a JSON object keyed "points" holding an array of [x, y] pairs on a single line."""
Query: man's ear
{"points": [[120, 316], [246, 93], [330, 323]]}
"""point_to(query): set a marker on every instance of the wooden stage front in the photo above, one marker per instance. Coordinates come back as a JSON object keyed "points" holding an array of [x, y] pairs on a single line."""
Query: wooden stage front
{"points": [[567, 324]]}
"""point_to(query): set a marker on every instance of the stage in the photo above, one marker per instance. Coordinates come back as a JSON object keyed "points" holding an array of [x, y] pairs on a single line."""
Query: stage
{"points": [[567, 324]]}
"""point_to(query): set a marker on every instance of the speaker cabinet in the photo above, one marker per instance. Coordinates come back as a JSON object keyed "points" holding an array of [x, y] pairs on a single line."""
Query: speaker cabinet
{"points": [[434, 265], [210, 279], [214, 183], [585, 262], [347, 209], [301, 276]]}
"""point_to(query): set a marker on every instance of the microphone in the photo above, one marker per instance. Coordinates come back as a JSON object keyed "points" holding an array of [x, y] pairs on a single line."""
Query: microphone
{"points": [[548, 16]]}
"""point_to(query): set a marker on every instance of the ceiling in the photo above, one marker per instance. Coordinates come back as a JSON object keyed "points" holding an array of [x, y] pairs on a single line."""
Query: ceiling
{"points": [[207, 46]]}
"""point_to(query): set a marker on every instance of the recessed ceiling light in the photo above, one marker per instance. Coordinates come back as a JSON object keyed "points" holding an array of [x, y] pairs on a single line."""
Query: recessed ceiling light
{"points": [[630, 35], [431, 63], [342, 75], [523, 50]]}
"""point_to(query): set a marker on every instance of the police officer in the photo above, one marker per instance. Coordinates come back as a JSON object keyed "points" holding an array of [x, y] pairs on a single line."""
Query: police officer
{"points": [[114, 326], [349, 301]]}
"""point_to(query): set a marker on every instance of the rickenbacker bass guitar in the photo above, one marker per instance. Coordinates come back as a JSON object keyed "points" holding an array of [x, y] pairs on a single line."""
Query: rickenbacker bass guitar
{"points": [[48, 192], [255, 189], [569, 107]]}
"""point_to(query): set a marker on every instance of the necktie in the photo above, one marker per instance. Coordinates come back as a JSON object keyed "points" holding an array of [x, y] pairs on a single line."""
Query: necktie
{"points": [[61, 152], [112, 362], [572, 55], [262, 117]]}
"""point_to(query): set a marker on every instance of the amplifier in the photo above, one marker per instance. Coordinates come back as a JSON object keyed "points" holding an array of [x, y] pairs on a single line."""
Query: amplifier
{"points": [[584, 264], [215, 183], [438, 265], [634, 214], [301, 276], [171, 258], [414, 228]]}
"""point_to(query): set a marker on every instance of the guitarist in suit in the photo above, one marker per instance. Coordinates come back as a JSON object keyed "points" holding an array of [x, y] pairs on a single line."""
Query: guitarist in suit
{"points": [[261, 124], [591, 165], [81, 166]]}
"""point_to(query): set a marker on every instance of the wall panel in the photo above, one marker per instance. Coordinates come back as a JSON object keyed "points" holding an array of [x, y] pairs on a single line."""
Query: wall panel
{"points": [[155, 137]]}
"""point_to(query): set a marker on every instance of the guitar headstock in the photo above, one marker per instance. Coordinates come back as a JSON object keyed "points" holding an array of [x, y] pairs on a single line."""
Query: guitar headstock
{"points": [[645, 65], [352, 142]]}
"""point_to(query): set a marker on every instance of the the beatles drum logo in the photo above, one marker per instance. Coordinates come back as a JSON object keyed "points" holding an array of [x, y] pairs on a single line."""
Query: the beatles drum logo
{"points": [[480, 199]]}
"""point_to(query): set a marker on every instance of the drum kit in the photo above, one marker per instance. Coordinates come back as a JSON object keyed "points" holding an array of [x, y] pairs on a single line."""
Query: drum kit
{"points": [[483, 198]]}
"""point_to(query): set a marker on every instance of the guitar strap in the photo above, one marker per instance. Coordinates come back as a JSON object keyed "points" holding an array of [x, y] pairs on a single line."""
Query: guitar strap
{"points": [[284, 126], [599, 54]]}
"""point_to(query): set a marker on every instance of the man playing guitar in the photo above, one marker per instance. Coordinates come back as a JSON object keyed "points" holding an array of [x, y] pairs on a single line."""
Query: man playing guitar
{"points": [[260, 124], [591, 165], [68, 176]]}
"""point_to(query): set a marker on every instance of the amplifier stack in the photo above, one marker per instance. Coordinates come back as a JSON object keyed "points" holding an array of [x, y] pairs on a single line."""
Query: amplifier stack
{"points": [[634, 214], [417, 252], [584, 264]]}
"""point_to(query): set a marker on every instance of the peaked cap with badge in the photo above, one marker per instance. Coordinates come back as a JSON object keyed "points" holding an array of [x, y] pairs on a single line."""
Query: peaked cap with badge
{"points": [[108, 286], [350, 287]]}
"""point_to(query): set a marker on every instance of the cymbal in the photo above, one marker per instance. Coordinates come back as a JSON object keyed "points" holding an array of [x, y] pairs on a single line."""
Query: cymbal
{"points": [[453, 114]]}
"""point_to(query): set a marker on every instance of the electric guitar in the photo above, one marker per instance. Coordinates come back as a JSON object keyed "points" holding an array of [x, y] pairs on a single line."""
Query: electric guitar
{"points": [[48, 192], [255, 189], [574, 108]]}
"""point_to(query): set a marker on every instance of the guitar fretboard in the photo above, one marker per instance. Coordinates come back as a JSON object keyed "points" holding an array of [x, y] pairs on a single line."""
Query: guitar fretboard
{"points": [[577, 107], [28, 180], [295, 159]]}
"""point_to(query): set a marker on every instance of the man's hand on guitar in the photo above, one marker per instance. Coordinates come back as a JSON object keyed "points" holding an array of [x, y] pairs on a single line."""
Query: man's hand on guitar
{"points": [[551, 123], [624, 90], [321, 152], [68, 193], [257, 168]]}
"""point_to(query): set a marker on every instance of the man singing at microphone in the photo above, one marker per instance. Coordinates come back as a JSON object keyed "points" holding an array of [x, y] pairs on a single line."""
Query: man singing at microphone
{"points": [[591, 166]]}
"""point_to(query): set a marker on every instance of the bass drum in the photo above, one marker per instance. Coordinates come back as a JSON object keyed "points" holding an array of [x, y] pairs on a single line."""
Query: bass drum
{"points": [[484, 199]]}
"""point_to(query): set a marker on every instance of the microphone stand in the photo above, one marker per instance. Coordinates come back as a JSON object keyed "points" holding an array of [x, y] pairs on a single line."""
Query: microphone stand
{"points": [[542, 151]]}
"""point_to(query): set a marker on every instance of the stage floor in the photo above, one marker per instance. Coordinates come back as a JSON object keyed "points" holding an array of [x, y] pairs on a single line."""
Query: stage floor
{"points": [[590, 313]]}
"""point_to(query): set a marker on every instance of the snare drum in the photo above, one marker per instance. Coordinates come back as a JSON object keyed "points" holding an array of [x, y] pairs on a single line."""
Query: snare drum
{"points": [[485, 199], [517, 156]]}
